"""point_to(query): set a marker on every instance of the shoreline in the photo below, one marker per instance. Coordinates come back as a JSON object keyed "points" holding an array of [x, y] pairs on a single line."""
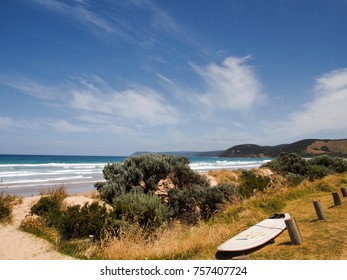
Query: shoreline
{"points": [[37, 190]]}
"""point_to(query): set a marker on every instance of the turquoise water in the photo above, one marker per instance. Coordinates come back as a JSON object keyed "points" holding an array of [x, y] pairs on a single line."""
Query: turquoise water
{"points": [[44, 171]]}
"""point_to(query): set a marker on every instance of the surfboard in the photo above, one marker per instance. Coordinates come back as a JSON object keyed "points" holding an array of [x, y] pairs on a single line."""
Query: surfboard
{"points": [[257, 235]]}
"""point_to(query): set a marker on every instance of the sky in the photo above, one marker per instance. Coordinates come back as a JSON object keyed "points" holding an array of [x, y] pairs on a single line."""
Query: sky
{"points": [[88, 77]]}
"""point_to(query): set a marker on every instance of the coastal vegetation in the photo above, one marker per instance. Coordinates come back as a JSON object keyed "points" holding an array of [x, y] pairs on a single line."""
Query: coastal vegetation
{"points": [[295, 168], [6, 205], [156, 207]]}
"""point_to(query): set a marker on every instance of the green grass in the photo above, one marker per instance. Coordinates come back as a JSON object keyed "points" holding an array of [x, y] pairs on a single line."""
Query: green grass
{"points": [[321, 239]]}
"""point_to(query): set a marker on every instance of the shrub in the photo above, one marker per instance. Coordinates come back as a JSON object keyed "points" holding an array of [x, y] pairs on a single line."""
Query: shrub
{"points": [[295, 169], [184, 205], [5, 207], [73, 222], [80, 222], [145, 210], [293, 179], [251, 183], [288, 163], [146, 171], [116, 182], [213, 198], [315, 172], [49, 206], [38, 227], [199, 202], [337, 165]]}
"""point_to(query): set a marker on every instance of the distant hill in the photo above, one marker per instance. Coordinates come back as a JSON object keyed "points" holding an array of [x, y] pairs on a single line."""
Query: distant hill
{"points": [[306, 147]]}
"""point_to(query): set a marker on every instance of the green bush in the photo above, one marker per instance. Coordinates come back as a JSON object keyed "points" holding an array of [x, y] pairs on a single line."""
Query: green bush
{"points": [[315, 172], [213, 198], [288, 163], [335, 165], [295, 169], [49, 206], [74, 221], [146, 171], [5, 207], [199, 202], [293, 179], [80, 222], [251, 183], [184, 205], [145, 210]]}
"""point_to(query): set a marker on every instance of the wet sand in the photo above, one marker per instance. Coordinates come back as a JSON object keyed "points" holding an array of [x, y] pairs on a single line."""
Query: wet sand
{"points": [[36, 190]]}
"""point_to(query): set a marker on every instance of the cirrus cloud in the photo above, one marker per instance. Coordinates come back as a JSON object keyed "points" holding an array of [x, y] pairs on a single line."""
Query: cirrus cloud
{"points": [[326, 112], [231, 86], [137, 104]]}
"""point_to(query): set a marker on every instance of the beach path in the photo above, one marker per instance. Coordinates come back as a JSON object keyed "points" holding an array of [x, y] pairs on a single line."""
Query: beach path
{"points": [[18, 245]]}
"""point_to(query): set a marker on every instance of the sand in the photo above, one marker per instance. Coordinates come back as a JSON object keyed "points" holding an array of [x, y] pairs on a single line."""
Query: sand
{"points": [[18, 245]]}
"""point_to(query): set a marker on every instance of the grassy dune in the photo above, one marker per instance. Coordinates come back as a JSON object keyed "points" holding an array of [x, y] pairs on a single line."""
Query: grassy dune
{"points": [[321, 239]]}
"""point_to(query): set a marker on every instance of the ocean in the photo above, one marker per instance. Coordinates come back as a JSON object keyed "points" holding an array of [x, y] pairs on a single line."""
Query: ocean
{"points": [[27, 175]]}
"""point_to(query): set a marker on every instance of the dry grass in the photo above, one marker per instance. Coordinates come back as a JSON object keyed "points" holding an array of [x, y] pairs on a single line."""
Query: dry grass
{"points": [[225, 176], [181, 242], [338, 146], [7, 202], [322, 240]]}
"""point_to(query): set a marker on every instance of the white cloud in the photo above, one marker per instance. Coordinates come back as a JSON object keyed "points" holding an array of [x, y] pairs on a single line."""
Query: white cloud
{"points": [[326, 112], [78, 10], [65, 126], [137, 104], [232, 86], [29, 87], [9, 122], [328, 109], [6, 121]]}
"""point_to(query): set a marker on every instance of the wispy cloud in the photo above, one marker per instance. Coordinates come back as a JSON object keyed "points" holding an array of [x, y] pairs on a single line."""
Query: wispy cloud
{"points": [[159, 19], [326, 112], [138, 104], [10, 122], [5, 122], [231, 86], [114, 21], [78, 11], [66, 126], [29, 87], [99, 103]]}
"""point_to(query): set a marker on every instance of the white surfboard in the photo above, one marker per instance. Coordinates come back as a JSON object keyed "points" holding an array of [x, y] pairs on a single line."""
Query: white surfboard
{"points": [[256, 235]]}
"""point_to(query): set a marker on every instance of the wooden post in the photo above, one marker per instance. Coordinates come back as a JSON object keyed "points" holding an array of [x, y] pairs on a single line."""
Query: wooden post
{"points": [[91, 238], [293, 230], [319, 210], [344, 192], [337, 200]]}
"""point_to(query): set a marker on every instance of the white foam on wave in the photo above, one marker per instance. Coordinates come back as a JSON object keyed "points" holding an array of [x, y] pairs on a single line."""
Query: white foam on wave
{"points": [[227, 164], [74, 165]]}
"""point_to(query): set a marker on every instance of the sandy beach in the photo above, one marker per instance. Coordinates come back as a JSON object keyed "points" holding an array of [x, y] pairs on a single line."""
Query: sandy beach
{"points": [[18, 245], [36, 190]]}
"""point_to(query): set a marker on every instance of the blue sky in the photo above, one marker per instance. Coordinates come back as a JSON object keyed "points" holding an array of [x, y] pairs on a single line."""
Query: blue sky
{"points": [[114, 77]]}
